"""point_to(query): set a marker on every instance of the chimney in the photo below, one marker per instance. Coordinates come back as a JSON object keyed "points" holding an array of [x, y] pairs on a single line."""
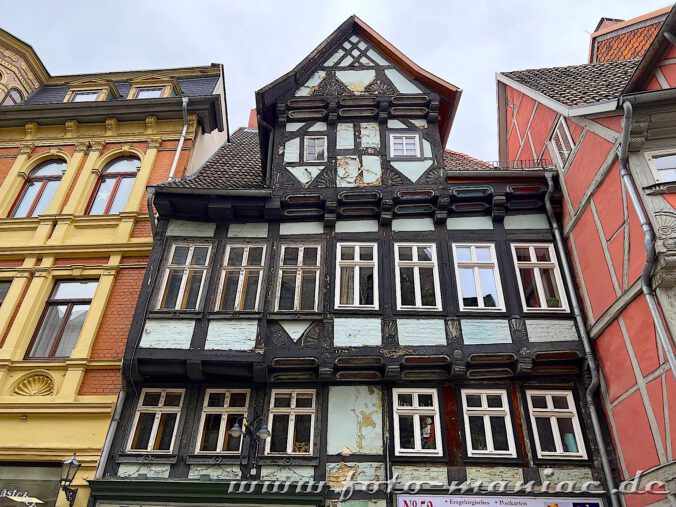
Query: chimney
{"points": [[253, 121]]}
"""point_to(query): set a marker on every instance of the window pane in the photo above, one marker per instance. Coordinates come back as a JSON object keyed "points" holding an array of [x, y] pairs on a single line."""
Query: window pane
{"points": [[346, 286], [499, 432], [427, 290], [212, 425], [405, 400], [165, 432], [75, 290], [567, 434], [48, 331], [406, 439], [560, 402], [282, 400], [144, 427], [250, 290], [489, 288], [123, 165], [238, 399], [477, 432], [473, 400], [280, 432], [192, 289], [290, 256], [522, 254], [29, 194], [365, 286], [483, 254], [231, 278], [71, 331], [46, 198], [494, 401], [287, 290], [405, 253], [310, 256], [180, 255], [663, 162], [304, 400], [347, 253], [231, 443], [542, 254], [173, 286], [545, 434], [301, 437], [149, 93], [152, 399], [216, 400], [122, 195], [468, 287], [667, 174], [199, 256], [307, 292], [425, 253], [255, 256], [366, 253], [539, 401], [103, 193], [530, 292], [427, 432], [235, 256], [425, 400], [551, 289], [173, 399], [407, 286], [463, 254]]}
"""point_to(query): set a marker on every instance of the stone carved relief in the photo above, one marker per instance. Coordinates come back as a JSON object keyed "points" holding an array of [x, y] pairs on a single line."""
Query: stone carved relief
{"points": [[517, 328], [331, 86], [390, 336], [35, 385], [665, 229], [379, 87], [453, 331]]}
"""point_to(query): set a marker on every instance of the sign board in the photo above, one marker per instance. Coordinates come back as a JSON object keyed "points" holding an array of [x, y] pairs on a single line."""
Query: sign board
{"points": [[493, 501], [33, 486]]}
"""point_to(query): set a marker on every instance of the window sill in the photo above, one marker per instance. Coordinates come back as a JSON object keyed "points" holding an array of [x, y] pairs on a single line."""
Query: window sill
{"points": [[234, 315], [418, 458], [148, 457], [563, 460], [212, 459], [288, 460], [174, 314], [295, 316], [493, 460], [419, 312]]}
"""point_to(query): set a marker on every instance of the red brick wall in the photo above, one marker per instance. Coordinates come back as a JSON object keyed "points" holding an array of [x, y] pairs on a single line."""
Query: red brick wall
{"points": [[100, 382], [6, 163]]}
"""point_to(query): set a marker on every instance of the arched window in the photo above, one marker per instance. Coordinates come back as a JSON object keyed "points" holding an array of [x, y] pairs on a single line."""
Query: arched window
{"points": [[114, 187], [12, 98], [39, 189]]}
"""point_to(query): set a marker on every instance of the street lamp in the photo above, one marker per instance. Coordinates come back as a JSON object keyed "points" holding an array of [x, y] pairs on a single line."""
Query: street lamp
{"points": [[69, 469], [257, 432]]}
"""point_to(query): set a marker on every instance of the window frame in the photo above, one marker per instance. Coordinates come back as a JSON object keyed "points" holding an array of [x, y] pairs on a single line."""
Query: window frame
{"points": [[475, 265], [159, 410], [357, 264], [44, 180], [240, 281], [538, 277], [305, 146], [292, 411], [416, 275], [70, 303], [136, 89], [224, 411], [186, 268], [562, 124], [404, 133], [651, 163], [98, 93], [299, 270], [119, 176], [577, 427], [8, 283], [487, 412], [10, 100], [417, 412]]}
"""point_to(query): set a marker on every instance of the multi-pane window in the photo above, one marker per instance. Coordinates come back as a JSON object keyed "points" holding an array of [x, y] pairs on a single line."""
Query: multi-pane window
{"points": [[241, 278], [315, 149], [39, 189], [488, 426], [404, 146], [149, 92], [222, 409], [4, 289], [85, 96], [556, 427], [663, 164], [417, 276], [476, 270], [114, 186], [357, 275], [156, 420], [184, 276], [562, 141], [62, 319], [416, 422], [291, 422], [539, 277], [12, 98], [298, 284]]}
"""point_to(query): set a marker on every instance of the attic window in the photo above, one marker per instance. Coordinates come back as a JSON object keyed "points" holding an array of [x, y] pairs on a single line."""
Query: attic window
{"points": [[85, 96], [404, 146], [563, 142], [150, 92]]}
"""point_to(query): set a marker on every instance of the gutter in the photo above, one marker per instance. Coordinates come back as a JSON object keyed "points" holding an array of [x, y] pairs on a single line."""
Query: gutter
{"points": [[184, 107], [649, 238], [586, 342]]}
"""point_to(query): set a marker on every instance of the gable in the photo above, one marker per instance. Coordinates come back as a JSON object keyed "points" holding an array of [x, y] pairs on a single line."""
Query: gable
{"points": [[664, 75]]}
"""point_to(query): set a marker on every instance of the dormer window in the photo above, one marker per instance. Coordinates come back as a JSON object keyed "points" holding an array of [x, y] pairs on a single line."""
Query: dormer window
{"points": [[150, 92], [85, 96], [404, 146], [315, 149]]}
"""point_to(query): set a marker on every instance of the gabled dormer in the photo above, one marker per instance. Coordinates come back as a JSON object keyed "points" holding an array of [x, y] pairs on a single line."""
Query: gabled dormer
{"points": [[90, 89]]}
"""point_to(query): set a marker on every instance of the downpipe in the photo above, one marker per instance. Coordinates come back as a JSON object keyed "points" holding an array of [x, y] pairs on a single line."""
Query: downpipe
{"points": [[112, 429], [179, 148], [648, 242], [586, 342]]}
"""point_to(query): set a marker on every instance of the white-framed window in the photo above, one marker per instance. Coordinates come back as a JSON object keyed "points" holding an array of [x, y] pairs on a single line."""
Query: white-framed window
{"points": [[241, 277], [404, 145], [184, 276], [562, 142], [298, 279], [417, 276], [488, 425], [478, 277], [222, 409], [357, 275], [315, 148], [556, 427], [156, 420], [663, 165], [291, 421], [540, 282], [416, 422], [85, 96]]}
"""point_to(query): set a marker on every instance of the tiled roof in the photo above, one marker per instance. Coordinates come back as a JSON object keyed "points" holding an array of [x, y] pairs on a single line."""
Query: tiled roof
{"points": [[456, 161], [578, 84], [629, 45], [236, 165]]}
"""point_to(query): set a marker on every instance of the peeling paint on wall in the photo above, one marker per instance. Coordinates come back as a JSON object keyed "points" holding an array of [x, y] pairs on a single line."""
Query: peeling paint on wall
{"points": [[345, 136], [167, 334], [292, 150], [150, 470], [356, 80], [350, 172], [490, 474], [231, 472], [420, 473], [343, 474], [311, 84], [305, 174], [370, 135], [286, 473], [233, 334], [355, 420]]}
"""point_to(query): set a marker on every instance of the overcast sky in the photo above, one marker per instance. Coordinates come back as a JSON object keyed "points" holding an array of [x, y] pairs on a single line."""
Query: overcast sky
{"points": [[462, 41]]}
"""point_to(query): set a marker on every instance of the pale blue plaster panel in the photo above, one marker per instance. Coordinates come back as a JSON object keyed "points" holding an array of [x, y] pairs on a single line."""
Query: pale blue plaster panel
{"points": [[305, 174], [347, 171], [292, 150], [375, 56], [356, 80], [419, 122], [311, 84], [342, 474], [421, 473], [400, 82], [527, 221], [370, 135], [421, 331], [412, 224], [371, 171], [479, 332], [293, 126], [288, 228], [357, 226], [286, 472], [252, 230], [469, 223], [320, 126], [195, 229], [231, 334], [356, 332], [550, 330], [395, 124], [427, 148], [334, 58], [345, 136], [412, 169], [295, 328], [355, 420], [230, 472], [167, 334], [150, 470]]}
